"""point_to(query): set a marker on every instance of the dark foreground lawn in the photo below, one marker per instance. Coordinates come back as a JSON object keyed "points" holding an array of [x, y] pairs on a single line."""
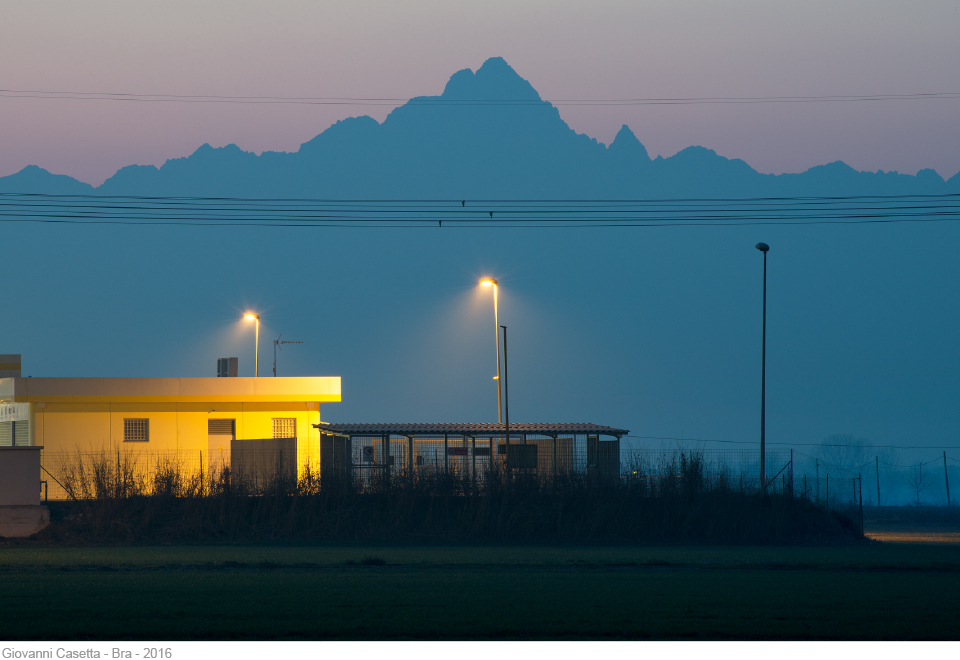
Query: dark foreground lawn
{"points": [[856, 591]]}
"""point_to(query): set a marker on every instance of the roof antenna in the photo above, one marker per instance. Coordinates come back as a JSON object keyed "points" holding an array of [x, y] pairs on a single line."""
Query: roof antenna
{"points": [[276, 345]]}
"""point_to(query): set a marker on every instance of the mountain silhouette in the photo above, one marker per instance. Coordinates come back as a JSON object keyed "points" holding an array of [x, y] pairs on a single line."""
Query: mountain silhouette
{"points": [[488, 135]]}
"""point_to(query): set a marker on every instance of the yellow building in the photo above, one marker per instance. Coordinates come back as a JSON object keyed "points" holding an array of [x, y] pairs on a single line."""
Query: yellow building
{"points": [[195, 419]]}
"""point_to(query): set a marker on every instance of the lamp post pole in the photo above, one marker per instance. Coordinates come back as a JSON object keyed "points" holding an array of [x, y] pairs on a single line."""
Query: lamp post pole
{"points": [[496, 321], [763, 247], [489, 281], [506, 392], [250, 316]]}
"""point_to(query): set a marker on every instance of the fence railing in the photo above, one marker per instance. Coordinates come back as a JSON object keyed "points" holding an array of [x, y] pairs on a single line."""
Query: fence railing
{"points": [[453, 463]]}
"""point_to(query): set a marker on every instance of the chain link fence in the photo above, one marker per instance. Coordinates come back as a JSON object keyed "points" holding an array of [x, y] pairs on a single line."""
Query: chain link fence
{"points": [[451, 462]]}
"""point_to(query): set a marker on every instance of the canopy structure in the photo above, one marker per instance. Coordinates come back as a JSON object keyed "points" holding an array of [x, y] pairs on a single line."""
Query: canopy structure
{"points": [[472, 451], [469, 430]]}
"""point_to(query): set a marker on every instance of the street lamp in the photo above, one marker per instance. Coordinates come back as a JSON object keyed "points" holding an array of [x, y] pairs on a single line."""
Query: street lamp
{"points": [[250, 316], [489, 281], [763, 247]]}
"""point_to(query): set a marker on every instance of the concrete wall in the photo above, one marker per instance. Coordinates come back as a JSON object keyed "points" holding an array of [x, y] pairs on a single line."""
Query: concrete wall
{"points": [[19, 476]]}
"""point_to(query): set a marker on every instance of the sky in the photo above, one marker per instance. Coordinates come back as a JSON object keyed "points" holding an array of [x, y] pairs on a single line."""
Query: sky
{"points": [[567, 50], [656, 331]]}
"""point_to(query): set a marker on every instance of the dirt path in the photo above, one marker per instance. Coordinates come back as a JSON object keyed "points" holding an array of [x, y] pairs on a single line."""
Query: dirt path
{"points": [[902, 532]]}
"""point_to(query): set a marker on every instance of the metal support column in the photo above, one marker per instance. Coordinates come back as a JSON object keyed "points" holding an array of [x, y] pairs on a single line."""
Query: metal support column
{"points": [[385, 440], [410, 459]]}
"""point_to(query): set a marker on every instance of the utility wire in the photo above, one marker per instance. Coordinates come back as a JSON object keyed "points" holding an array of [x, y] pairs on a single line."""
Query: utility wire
{"points": [[485, 201], [457, 225], [439, 101], [790, 444], [224, 211], [824, 462]]}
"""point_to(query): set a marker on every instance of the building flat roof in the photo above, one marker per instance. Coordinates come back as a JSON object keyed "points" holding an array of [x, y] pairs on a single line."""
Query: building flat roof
{"points": [[469, 429], [153, 390]]}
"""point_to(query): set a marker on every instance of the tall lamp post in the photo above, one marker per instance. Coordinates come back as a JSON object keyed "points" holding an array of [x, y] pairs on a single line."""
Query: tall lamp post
{"points": [[489, 281], [763, 247], [506, 391], [250, 316]]}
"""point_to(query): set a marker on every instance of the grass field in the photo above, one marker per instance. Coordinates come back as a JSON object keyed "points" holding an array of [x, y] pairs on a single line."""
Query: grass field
{"points": [[852, 591]]}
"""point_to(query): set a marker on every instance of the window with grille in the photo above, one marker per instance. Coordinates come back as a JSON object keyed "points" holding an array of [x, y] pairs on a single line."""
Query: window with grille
{"points": [[285, 427], [136, 430], [220, 426]]}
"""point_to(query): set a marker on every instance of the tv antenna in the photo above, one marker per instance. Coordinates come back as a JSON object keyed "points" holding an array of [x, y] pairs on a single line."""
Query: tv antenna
{"points": [[277, 344]]}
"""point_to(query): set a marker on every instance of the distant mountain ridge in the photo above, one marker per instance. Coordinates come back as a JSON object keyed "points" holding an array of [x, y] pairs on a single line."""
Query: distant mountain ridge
{"points": [[433, 147]]}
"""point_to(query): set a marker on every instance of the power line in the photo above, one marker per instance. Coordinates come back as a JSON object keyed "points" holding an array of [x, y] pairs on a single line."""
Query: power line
{"points": [[439, 101], [543, 213], [409, 225], [791, 444], [911, 465], [463, 202]]}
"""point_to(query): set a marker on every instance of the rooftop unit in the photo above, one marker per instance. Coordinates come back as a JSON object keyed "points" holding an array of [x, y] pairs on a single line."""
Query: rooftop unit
{"points": [[227, 367]]}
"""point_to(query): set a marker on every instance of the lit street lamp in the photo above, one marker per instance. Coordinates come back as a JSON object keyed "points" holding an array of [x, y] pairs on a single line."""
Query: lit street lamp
{"points": [[250, 316], [763, 247], [489, 281]]}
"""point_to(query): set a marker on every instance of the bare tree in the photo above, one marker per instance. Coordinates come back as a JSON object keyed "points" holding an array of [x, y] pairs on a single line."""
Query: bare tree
{"points": [[918, 480], [846, 456], [843, 455]]}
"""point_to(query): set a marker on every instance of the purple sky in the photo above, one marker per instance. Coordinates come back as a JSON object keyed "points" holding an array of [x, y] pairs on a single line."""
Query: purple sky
{"points": [[402, 49]]}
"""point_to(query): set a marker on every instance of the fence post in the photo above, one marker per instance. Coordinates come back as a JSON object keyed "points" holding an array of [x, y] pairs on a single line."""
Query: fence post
{"points": [[118, 474], [860, 480], [946, 480], [877, 462], [791, 473], [817, 461]]}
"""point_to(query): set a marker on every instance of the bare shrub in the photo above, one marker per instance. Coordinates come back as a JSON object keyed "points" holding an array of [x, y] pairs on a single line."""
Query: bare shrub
{"points": [[918, 481], [670, 497]]}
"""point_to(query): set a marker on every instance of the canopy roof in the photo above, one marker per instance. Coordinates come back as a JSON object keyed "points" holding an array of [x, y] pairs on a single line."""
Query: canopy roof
{"points": [[173, 390], [469, 429]]}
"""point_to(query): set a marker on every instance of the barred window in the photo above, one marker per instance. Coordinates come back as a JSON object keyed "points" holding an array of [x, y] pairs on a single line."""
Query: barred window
{"points": [[136, 430], [284, 427]]}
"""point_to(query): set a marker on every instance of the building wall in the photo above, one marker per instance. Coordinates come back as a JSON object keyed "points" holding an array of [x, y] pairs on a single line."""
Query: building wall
{"points": [[92, 427], [67, 416]]}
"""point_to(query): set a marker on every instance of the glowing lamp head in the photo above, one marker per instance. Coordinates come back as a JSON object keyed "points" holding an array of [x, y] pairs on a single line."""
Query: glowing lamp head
{"points": [[488, 281], [250, 316]]}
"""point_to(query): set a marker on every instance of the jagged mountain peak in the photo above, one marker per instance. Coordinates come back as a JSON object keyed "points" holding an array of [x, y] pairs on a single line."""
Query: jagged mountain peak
{"points": [[430, 148], [495, 80], [34, 179], [626, 144]]}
